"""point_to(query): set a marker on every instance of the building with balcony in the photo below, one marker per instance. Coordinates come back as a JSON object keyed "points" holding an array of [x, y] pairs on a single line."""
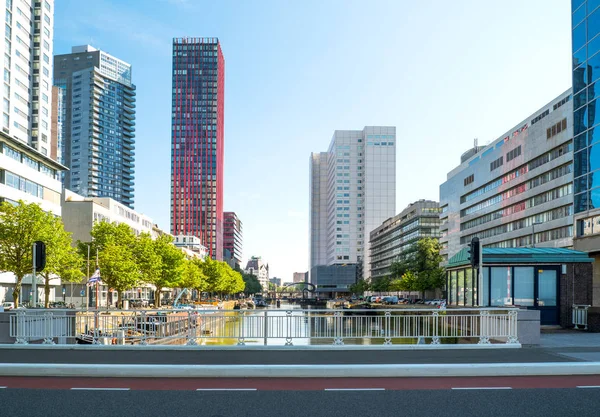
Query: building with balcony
{"points": [[518, 190], [98, 123], [232, 239], [396, 235], [192, 244]]}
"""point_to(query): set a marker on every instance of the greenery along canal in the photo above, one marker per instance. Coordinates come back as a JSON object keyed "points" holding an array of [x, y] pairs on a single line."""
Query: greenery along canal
{"points": [[304, 329]]}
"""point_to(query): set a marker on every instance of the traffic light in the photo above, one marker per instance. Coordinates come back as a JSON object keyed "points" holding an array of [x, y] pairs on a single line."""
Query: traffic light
{"points": [[473, 252], [39, 253]]}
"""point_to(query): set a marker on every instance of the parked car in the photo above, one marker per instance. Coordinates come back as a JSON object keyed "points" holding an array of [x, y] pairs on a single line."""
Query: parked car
{"points": [[403, 301], [375, 299], [8, 305], [390, 299]]}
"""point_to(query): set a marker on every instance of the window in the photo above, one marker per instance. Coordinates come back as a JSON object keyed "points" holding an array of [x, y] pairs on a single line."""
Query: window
{"points": [[513, 154], [469, 179], [556, 129], [497, 163]]}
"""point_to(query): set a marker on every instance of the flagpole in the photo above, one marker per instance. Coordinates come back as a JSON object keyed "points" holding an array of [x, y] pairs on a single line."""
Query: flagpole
{"points": [[97, 282], [87, 287]]}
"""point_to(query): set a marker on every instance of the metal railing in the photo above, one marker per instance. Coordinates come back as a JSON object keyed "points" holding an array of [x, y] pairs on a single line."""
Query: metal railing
{"points": [[267, 327], [580, 315]]}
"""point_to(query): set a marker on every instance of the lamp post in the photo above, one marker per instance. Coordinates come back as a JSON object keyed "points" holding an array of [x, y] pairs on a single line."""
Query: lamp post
{"points": [[533, 233]]}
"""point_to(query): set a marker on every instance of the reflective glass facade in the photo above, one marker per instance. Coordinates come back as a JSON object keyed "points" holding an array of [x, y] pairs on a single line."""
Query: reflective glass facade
{"points": [[197, 141], [586, 131]]}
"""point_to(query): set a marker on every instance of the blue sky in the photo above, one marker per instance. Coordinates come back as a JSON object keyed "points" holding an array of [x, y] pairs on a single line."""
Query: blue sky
{"points": [[443, 72]]}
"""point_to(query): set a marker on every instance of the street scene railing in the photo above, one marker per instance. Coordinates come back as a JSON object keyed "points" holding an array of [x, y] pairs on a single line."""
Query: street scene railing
{"points": [[580, 316], [266, 327]]}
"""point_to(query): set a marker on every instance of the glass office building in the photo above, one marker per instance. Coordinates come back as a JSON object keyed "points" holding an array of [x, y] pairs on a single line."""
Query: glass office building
{"points": [[197, 141], [586, 133]]}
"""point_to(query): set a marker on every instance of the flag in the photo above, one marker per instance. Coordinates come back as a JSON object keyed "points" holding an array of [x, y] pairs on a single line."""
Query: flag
{"points": [[95, 279]]}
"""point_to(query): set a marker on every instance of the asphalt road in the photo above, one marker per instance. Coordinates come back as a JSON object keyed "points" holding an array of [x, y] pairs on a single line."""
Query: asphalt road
{"points": [[279, 357], [447, 403]]}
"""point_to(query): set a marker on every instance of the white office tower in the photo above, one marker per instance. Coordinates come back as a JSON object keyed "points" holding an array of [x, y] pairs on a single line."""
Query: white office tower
{"points": [[353, 190]]}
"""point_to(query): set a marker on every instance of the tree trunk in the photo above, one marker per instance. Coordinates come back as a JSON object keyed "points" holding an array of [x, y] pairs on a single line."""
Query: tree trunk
{"points": [[158, 291], [47, 291], [17, 291], [119, 299]]}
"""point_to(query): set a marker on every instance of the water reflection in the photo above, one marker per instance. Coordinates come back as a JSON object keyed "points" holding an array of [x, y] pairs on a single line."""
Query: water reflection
{"points": [[301, 330]]}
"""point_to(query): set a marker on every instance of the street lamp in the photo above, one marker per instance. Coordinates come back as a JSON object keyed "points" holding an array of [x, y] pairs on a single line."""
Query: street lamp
{"points": [[533, 233]]}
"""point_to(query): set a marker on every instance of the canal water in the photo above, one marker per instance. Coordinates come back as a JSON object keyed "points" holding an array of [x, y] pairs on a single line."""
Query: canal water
{"points": [[306, 330]]}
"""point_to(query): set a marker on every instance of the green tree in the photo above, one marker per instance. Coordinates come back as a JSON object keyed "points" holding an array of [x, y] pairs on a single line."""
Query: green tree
{"points": [[423, 261], [192, 276], [62, 259], [381, 284], [360, 287], [171, 263], [118, 268], [212, 270], [251, 284], [20, 226], [112, 243], [147, 258]]}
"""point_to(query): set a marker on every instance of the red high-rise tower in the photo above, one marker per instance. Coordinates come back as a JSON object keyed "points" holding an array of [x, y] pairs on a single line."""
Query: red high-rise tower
{"points": [[197, 141]]}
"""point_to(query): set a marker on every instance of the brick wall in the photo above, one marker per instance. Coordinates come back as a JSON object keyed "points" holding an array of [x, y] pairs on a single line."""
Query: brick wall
{"points": [[575, 288]]}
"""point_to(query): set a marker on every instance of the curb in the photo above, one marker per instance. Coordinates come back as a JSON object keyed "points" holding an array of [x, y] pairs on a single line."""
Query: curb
{"points": [[298, 371]]}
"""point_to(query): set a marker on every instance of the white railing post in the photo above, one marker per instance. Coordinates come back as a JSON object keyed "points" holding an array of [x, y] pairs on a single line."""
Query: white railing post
{"points": [[580, 316], [241, 340], [388, 337], [191, 339], [512, 327], [337, 328], [20, 328], [265, 327], [144, 328], [435, 339], [484, 327], [289, 322], [48, 334]]}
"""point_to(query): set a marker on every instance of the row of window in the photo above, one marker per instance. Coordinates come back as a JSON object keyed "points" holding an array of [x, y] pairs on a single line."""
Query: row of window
{"points": [[556, 129], [521, 188], [547, 216], [546, 236], [468, 180], [535, 163], [497, 163], [513, 154]]}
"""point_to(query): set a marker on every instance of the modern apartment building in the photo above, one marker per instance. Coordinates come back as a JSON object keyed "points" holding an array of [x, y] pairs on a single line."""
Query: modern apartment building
{"points": [[232, 239], [396, 235], [516, 191], [353, 190], [27, 50], [98, 123], [197, 141]]}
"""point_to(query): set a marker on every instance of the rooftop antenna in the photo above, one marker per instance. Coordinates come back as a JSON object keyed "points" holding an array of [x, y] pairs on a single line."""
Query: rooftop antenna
{"points": [[475, 145]]}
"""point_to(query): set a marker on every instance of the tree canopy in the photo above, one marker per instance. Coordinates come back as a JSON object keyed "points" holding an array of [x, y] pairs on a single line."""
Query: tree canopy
{"points": [[419, 268]]}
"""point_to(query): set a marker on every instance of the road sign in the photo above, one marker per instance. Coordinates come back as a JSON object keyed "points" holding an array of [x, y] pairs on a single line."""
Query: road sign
{"points": [[82, 293]]}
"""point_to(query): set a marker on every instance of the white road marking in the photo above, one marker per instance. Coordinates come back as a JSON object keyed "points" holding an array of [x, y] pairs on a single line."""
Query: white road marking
{"points": [[354, 389], [2, 387], [467, 388], [588, 386], [99, 389], [225, 389]]}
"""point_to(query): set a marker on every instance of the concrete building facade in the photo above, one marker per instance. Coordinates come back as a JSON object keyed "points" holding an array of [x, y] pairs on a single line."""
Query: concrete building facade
{"points": [[518, 190], [98, 123], [396, 235], [352, 191]]}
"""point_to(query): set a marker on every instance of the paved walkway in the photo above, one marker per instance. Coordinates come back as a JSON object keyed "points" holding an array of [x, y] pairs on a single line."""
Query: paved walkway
{"points": [[570, 339]]}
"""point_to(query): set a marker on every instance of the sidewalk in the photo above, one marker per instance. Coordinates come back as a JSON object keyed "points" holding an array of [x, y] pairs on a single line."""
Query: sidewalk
{"points": [[569, 338]]}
